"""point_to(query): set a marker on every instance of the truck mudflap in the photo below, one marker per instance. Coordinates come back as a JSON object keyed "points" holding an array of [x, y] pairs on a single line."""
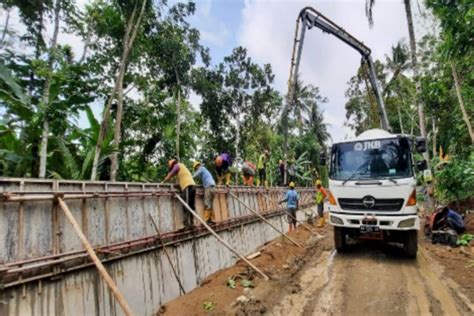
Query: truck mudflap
{"points": [[371, 223]]}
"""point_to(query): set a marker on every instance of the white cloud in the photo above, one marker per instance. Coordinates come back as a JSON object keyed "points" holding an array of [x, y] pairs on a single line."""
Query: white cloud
{"points": [[219, 37], [267, 31], [212, 30], [195, 100]]}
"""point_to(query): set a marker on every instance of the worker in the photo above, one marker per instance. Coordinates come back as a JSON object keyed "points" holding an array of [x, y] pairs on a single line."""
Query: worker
{"points": [[320, 196], [209, 190], [223, 163], [248, 172], [291, 199], [453, 220], [186, 184], [281, 169], [262, 169]]}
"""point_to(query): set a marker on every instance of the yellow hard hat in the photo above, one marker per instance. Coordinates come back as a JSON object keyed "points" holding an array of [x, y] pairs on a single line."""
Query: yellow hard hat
{"points": [[196, 163], [292, 184], [318, 182]]}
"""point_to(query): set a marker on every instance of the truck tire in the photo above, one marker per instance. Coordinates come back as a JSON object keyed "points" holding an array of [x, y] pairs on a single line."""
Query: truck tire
{"points": [[340, 239], [411, 243]]}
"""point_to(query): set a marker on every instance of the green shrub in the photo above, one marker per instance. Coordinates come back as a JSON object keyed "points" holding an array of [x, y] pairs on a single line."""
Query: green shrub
{"points": [[455, 181]]}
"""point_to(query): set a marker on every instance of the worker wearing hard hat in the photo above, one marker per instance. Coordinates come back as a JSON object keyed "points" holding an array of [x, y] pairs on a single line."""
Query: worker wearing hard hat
{"points": [[320, 196], [186, 184], [223, 163], [262, 169], [209, 185], [291, 199]]}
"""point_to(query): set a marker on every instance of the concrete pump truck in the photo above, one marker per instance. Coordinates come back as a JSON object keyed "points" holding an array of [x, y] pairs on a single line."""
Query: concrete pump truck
{"points": [[372, 182]]}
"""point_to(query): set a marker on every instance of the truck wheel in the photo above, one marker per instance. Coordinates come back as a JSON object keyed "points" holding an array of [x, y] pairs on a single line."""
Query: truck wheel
{"points": [[339, 239], [411, 243]]}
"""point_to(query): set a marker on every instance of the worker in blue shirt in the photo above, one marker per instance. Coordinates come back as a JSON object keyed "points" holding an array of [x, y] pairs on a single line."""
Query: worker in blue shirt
{"points": [[453, 220], [209, 190], [291, 199]]}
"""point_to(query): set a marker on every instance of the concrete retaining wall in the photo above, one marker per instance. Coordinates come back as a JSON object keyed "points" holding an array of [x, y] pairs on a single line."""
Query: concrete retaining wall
{"points": [[36, 229]]}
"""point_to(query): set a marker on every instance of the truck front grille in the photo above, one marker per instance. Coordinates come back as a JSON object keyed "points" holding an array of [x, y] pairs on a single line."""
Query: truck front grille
{"points": [[391, 205]]}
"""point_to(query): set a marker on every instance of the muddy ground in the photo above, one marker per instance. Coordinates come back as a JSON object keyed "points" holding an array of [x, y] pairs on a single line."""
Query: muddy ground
{"points": [[370, 279]]}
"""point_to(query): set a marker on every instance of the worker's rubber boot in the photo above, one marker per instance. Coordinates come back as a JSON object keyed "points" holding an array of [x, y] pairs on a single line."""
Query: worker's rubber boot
{"points": [[323, 221], [207, 215], [320, 222]]}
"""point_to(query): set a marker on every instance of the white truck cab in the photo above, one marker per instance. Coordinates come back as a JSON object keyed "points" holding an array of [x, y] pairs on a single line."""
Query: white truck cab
{"points": [[372, 189]]}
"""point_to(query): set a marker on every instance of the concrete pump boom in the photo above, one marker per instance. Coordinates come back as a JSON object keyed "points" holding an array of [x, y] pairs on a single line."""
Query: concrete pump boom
{"points": [[309, 18]]}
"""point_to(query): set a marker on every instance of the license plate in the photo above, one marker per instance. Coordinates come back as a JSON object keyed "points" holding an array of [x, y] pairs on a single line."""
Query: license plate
{"points": [[369, 229]]}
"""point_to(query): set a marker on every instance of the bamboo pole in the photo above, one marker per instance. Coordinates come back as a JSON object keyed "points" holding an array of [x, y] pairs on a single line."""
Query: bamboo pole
{"points": [[220, 239], [166, 253], [265, 220], [103, 272], [291, 216]]}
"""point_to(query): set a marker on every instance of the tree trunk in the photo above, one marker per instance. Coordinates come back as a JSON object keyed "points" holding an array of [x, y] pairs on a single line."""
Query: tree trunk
{"points": [[45, 98], [178, 120], [421, 110], [5, 29], [435, 134], [129, 38], [117, 132], [400, 119], [285, 142], [465, 116]]}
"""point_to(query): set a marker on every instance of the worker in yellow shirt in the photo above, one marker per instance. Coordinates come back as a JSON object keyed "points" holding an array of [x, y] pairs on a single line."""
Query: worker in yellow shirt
{"points": [[186, 184], [262, 169], [320, 196]]}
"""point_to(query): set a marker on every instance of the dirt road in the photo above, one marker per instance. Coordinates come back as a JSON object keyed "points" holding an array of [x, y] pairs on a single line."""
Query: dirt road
{"points": [[369, 279], [372, 279]]}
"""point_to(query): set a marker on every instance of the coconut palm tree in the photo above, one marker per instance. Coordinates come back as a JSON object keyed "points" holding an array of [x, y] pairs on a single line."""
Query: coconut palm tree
{"points": [[369, 5], [397, 64], [305, 102], [315, 125]]}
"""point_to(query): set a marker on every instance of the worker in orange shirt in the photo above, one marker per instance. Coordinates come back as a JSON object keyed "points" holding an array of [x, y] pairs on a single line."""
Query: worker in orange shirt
{"points": [[248, 172]]}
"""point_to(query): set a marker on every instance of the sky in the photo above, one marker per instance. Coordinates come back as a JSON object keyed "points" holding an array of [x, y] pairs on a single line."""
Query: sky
{"points": [[266, 28]]}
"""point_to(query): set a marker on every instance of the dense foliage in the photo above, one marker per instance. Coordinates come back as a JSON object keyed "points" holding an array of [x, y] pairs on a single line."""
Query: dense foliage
{"points": [[140, 62]]}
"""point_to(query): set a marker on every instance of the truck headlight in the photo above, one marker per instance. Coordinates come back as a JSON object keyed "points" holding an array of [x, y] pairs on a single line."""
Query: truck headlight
{"points": [[336, 220], [407, 223]]}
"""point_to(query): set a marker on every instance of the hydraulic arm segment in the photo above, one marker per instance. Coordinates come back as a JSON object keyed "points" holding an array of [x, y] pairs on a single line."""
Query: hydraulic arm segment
{"points": [[309, 18]]}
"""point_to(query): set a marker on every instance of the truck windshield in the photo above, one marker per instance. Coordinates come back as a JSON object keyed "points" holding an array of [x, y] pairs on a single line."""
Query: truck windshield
{"points": [[372, 159]]}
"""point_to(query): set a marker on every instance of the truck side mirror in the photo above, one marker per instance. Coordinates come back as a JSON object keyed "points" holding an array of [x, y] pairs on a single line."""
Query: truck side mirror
{"points": [[322, 160], [420, 145], [421, 165]]}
